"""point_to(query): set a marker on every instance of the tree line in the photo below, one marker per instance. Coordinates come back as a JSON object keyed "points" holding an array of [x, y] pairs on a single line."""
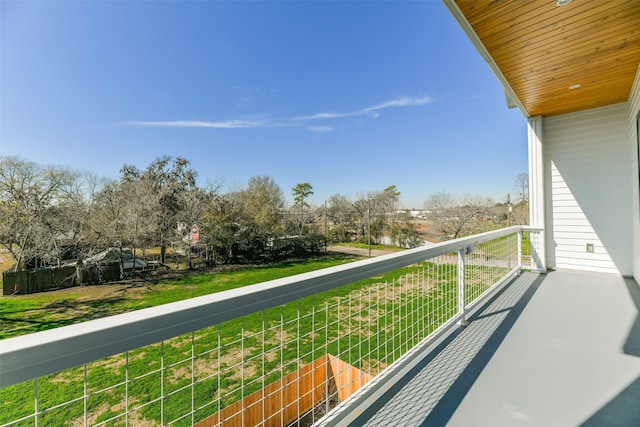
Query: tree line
{"points": [[452, 216], [49, 214]]}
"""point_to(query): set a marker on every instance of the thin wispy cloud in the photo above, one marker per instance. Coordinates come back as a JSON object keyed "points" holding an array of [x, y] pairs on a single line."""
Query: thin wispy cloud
{"points": [[373, 111], [320, 129], [230, 124], [404, 101]]}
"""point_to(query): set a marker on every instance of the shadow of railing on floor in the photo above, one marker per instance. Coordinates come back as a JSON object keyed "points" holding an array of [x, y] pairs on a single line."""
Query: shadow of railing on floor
{"points": [[450, 401], [624, 409], [435, 396]]}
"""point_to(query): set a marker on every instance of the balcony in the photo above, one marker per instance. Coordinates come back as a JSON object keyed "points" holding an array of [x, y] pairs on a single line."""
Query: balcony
{"points": [[559, 349], [377, 341], [454, 334]]}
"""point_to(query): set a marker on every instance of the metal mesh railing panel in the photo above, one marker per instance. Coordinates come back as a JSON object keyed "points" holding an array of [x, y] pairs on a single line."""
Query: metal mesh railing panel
{"points": [[291, 363]]}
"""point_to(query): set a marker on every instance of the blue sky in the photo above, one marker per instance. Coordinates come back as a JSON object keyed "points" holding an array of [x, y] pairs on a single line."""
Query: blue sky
{"points": [[349, 96]]}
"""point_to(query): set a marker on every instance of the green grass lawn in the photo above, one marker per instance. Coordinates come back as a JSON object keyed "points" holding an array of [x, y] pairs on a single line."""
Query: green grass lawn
{"points": [[368, 324], [23, 314], [268, 345], [501, 244]]}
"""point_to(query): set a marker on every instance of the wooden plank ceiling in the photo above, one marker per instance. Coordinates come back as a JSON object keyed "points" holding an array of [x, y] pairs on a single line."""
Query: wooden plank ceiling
{"points": [[543, 49]]}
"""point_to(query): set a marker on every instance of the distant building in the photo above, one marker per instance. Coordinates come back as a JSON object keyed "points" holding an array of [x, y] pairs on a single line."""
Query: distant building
{"points": [[193, 237]]}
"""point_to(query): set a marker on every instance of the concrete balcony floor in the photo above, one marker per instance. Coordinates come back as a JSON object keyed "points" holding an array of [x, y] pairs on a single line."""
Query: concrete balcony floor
{"points": [[559, 349]]}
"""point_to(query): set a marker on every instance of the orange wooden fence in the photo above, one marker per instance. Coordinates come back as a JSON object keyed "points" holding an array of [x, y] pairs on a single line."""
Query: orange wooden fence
{"points": [[284, 401]]}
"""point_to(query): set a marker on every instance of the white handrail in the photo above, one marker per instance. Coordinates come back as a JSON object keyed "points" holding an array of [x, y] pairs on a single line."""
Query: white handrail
{"points": [[31, 356]]}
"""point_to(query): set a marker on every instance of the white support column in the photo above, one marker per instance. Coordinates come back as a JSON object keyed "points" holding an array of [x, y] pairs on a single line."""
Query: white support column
{"points": [[536, 194]]}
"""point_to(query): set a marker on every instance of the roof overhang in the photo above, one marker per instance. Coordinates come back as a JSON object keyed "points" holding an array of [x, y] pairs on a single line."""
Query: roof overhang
{"points": [[556, 59]]}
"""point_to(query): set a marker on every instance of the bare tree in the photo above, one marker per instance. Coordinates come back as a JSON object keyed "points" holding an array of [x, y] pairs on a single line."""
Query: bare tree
{"points": [[380, 210], [388, 202], [520, 213], [522, 187], [165, 182], [371, 212], [31, 213], [70, 223], [452, 217], [108, 222], [341, 215], [196, 202], [240, 223], [362, 212], [222, 224]]}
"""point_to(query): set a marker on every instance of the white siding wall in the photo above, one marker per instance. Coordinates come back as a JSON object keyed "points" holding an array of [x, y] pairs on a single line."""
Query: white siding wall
{"points": [[588, 185], [634, 107]]}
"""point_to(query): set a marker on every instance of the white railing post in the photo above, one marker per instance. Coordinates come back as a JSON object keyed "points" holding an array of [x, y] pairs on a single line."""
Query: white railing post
{"points": [[35, 406], [520, 248], [85, 398], [462, 306], [126, 388], [162, 374]]}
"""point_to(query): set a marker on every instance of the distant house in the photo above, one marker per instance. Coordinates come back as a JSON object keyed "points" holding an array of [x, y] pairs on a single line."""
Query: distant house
{"points": [[113, 255], [193, 237]]}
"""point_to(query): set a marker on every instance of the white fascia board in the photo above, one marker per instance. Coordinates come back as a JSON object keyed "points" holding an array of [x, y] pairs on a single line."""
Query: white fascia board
{"points": [[468, 29]]}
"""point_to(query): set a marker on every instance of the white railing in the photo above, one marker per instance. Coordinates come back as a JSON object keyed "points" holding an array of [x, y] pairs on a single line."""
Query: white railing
{"points": [[273, 353]]}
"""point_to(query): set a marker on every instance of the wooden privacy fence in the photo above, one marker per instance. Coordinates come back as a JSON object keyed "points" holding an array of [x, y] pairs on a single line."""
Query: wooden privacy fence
{"points": [[286, 400], [27, 282]]}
